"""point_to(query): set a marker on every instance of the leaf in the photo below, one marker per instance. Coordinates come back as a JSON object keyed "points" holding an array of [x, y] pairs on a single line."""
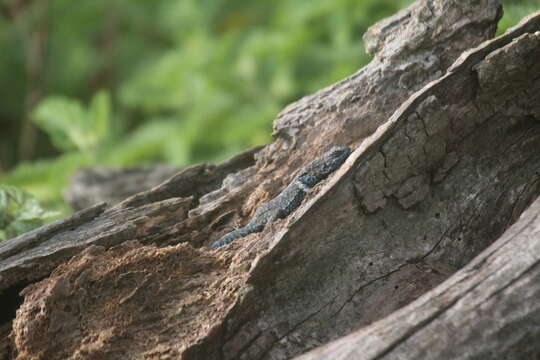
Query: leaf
{"points": [[65, 121], [19, 212], [45, 179], [70, 125], [99, 113]]}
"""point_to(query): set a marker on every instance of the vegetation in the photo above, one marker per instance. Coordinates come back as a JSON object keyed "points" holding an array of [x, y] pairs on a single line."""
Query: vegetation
{"points": [[19, 212], [118, 82]]}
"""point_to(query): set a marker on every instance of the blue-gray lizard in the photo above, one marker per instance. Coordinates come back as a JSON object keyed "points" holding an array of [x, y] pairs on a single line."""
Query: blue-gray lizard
{"points": [[291, 197]]}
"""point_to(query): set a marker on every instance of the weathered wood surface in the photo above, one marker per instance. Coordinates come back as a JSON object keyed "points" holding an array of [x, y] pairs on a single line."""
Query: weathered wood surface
{"points": [[146, 217], [437, 183], [490, 309], [373, 93]]}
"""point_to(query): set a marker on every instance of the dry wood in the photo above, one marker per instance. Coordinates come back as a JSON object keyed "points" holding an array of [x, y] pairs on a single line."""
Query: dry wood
{"points": [[453, 165], [490, 309]]}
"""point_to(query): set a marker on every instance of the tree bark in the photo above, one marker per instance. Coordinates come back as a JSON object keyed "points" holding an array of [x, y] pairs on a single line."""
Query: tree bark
{"points": [[445, 161]]}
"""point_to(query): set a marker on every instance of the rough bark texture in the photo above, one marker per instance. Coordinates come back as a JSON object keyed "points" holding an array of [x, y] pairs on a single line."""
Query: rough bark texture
{"points": [[490, 309], [150, 216], [452, 166]]}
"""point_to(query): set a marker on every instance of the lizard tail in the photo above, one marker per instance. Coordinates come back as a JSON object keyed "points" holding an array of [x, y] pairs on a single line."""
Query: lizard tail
{"points": [[235, 234], [225, 239]]}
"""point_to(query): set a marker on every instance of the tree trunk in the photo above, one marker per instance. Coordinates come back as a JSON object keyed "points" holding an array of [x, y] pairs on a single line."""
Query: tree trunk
{"points": [[445, 160]]}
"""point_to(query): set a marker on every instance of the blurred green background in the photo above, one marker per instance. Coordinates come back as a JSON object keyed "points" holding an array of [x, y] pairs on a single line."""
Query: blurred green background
{"points": [[131, 82]]}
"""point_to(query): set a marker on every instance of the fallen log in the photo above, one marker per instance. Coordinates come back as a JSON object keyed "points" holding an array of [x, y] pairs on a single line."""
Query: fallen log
{"points": [[437, 183]]}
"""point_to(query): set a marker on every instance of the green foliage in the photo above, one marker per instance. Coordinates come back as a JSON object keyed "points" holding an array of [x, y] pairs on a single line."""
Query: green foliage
{"points": [[19, 212], [72, 127], [514, 11], [46, 179], [186, 81]]}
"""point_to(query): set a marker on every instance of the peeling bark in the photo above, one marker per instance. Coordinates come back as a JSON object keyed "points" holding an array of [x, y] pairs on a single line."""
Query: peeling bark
{"points": [[445, 161]]}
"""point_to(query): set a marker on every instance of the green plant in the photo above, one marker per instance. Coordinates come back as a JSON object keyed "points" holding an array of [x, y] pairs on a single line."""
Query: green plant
{"points": [[515, 10], [20, 212], [72, 127]]}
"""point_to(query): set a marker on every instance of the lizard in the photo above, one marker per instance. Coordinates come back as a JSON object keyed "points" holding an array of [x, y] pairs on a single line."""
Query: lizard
{"points": [[290, 198]]}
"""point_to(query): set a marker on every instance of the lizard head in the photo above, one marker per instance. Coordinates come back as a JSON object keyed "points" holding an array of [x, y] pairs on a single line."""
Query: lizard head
{"points": [[320, 168]]}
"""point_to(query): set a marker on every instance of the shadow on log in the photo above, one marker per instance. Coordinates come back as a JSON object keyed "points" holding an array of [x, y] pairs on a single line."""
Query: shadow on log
{"points": [[446, 160]]}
